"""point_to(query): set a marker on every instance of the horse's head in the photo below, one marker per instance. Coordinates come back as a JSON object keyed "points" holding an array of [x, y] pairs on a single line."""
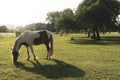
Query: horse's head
{"points": [[15, 55]]}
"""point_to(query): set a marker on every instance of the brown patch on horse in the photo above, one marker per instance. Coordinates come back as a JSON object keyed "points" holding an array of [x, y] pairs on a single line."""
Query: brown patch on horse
{"points": [[42, 39]]}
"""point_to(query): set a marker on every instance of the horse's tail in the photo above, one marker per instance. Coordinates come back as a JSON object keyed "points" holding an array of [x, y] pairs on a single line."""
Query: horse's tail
{"points": [[51, 44]]}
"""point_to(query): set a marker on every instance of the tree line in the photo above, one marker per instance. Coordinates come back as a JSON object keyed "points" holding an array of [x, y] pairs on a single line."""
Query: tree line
{"points": [[37, 26], [91, 16]]}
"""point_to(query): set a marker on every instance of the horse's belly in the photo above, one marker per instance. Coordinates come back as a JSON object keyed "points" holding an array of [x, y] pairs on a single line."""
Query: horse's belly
{"points": [[38, 41]]}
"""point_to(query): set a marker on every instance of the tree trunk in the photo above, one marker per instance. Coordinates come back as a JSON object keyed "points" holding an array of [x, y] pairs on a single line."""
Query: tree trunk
{"points": [[97, 33], [89, 34], [94, 35]]}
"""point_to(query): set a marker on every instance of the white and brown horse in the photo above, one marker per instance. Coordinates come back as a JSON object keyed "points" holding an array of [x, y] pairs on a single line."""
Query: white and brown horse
{"points": [[30, 38]]}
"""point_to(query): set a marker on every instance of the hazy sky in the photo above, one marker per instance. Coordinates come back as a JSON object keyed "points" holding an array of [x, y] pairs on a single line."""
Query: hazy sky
{"points": [[22, 12]]}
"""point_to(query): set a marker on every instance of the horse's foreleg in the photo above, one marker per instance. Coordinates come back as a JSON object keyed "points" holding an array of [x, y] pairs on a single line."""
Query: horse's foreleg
{"points": [[48, 55], [33, 52], [28, 53]]}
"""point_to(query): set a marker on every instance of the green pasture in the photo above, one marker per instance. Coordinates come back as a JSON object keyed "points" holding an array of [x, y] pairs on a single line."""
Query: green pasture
{"points": [[79, 59]]}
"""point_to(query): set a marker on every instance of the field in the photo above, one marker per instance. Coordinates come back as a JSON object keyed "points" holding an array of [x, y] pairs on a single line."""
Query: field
{"points": [[80, 59]]}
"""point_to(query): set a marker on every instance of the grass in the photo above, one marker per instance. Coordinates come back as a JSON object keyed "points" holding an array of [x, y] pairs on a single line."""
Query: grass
{"points": [[80, 59], [2, 35]]}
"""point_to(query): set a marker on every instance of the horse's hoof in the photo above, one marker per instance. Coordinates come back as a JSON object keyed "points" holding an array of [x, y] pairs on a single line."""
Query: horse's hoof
{"points": [[15, 62], [27, 59], [47, 58]]}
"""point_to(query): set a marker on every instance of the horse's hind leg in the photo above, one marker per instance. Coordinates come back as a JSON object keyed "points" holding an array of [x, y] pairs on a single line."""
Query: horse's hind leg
{"points": [[48, 55], [33, 52], [28, 53]]}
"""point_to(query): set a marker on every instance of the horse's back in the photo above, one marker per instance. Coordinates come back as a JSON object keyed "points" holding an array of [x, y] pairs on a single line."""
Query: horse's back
{"points": [[28, 36], [31, 34]]}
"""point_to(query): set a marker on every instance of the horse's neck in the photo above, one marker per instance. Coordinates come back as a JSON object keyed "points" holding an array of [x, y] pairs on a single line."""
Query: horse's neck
{"points": [[17, 44]]}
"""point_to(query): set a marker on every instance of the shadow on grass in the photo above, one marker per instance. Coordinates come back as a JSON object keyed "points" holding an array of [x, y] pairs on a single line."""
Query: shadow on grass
{"points": [[106, 40], [57, 71]]}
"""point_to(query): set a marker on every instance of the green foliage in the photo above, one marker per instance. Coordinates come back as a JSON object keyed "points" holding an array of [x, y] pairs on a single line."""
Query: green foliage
{"points": [[51, 19], [66, 21], [63, 21], [52, 16], [98, 16], [99, 13], [3, 29]]}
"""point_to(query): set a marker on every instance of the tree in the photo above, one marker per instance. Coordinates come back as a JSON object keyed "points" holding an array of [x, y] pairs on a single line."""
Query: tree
{"points": [[97, 15], [52, 18], [3, 29], [50, 27], [66, 22], [30, 27], [40, 26]]}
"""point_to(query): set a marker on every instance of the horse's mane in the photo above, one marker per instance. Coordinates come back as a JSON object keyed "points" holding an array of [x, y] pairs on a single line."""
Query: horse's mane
{"points": [[16, 42]]}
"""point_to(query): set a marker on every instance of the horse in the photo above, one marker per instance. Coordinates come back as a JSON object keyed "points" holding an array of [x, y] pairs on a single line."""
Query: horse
{"points": [[30, 38]]}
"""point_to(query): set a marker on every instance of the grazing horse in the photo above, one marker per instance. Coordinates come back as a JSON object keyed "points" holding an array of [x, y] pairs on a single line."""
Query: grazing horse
{"points": [[30, 38]]}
